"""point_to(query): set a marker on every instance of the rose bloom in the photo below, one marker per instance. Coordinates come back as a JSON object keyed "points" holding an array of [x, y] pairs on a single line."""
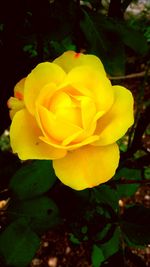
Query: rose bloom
{"points": [[67, 111]]}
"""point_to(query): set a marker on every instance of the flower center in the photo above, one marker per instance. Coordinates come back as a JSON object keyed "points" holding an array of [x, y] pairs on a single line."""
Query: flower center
{"points": [[66, 107]]}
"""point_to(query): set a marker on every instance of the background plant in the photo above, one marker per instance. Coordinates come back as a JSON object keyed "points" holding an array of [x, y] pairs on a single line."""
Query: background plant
{"points": [[35, 31]]}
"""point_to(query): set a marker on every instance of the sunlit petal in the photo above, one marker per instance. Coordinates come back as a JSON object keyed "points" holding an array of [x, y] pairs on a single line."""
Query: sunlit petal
{"points": [[69, 143], [45, 95], [64, 106], [24, 137], [88, 111], [42, 74], [114, 124], [70, 59], [91, 83], [88, 166], [54, 126]]}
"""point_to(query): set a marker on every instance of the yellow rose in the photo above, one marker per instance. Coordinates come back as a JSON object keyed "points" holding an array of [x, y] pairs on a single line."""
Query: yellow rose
{"points": [[17, 102], [68, 111]]}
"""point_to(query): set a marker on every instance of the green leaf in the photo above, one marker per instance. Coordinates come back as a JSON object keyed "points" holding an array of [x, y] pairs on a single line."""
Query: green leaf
{"points": [[107, 195], [18, 244], [68, 44], [112, 246], [126, 190], [136, 225], [107, 45], [92, 35], [133, 39], [103, 233], [41, 212], [129, 36], [84, 229], [74, 239], [147, 172], [108, 38], [33, 179], [97, 256], [115, 63], [63, 45], [30, 49]]}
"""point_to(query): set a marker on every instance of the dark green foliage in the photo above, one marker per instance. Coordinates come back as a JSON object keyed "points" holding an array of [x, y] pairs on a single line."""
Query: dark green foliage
{"points": [[107, 195], [107, 45], [126, 190], [93, 36], [41, 213], [18, 243], [97, 256], [147, 173], [136, 225], [130, 37], [108, 38], [9, 164], [113, 245], [33, 179], [29, 211], [104, 251], [74, 239], [133, 39]]}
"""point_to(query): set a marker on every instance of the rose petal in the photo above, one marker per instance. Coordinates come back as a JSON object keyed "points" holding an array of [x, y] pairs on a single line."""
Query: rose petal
{"points": [[19, 89], [67, 145], [70, 59], [88, 166], [88, 111], [42, 74], [63, 106], [14, 104], [60, 132], [45, 95], [114, 124], [94, 84], [24, 137], [54, 126]]}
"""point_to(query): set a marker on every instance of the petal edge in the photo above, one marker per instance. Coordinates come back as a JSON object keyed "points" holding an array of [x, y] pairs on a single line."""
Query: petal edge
{"points": [[87, 166], [24, 138]]}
